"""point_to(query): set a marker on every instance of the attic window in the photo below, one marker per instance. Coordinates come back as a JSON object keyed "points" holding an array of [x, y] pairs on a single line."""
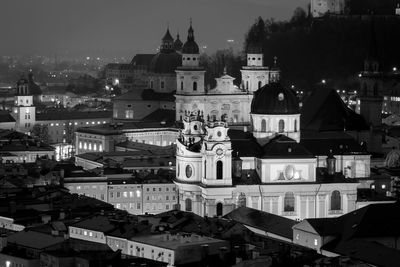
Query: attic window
{"points": [[281, 97]]}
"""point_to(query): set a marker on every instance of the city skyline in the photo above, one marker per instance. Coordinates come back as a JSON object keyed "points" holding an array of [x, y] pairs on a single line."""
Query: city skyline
{"points": [[123, 28]]}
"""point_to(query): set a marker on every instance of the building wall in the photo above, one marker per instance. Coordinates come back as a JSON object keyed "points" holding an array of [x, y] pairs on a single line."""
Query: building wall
{"points": [[88, 235], [116, 243], [162, 82], [236, 107], [138, 109], [159, 198], [127, 197], [97, 190], [13, 261], [310, 200], [7, 125]]}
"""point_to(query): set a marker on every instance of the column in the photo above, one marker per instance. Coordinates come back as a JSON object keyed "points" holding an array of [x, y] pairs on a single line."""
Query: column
{"points": [[321, 206]]}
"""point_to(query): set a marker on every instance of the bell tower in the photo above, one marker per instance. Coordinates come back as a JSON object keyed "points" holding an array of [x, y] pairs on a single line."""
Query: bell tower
{"points": [[255, 74], [217, 155], [371, 94], [24, 111], [189, 77]]}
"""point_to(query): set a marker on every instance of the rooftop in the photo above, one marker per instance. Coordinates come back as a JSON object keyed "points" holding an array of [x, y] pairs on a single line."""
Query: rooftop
{"points": [[174, 241]]}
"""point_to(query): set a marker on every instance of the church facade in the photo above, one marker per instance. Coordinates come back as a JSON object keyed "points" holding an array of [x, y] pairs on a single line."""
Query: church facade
{"points": [[226, 101], [219, 168]]}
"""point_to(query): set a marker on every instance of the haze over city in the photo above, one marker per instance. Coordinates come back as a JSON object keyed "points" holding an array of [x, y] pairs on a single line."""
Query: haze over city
{"points": [[125, 27]]}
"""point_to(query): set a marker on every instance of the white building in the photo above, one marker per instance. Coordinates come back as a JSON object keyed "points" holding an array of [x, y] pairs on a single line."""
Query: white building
{"points": [[219, 169], [226, 101]]}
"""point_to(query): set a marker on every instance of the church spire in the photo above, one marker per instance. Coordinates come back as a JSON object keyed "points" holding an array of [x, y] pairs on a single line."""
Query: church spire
{"points": [[371, 63]]}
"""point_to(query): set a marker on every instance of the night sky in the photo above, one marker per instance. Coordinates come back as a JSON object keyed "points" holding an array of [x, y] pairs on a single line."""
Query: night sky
{"points": [[125, 27]]}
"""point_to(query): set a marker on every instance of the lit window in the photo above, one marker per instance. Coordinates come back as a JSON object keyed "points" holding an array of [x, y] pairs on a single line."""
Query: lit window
{"points": [[90, 234], [90, 146], [93, 122], [383, 186], [78, 187], [315, 242], [75, 123], [138, 193], [57, 124], [94, 147], [80, 144], [104, 122], [100, 147], [98, 122], [85, 232], [297, 236], [87, 122], [130, 194], [125, 194], [84, 146], [51, 124]]}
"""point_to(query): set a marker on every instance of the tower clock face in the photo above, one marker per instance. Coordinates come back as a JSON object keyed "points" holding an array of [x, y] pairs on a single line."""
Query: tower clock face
{"points": [[220, 151]]}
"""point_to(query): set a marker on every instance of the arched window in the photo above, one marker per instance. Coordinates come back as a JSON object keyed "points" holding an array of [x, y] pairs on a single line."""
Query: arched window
{"points": [[288, 203], [259, 84], [247, 85], [194, 86], [241, 202], [376, 89], [295, 125], [181, 85], [281, 126], [162, 84], [188, 204], [177, 170], [219, 170], [263, 126], [219, 209], [336, 201], [151, 84]]}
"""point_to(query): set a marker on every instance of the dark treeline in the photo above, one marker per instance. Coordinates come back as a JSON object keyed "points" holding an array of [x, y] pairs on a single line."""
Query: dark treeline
{"points": [[331, 48]]}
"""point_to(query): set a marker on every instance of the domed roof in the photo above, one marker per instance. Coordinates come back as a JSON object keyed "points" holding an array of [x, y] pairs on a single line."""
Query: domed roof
{"points": [[178, 43], [273, 98], [254, 48], [164, 62], [190, 46], [393, 159], [167, 36]]}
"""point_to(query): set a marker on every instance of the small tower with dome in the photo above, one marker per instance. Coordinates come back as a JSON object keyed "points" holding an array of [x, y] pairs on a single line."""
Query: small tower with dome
{"points": [[255, 74]]}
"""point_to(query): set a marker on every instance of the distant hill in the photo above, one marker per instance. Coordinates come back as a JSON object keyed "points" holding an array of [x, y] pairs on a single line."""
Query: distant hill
{"points": [[332, 47]]}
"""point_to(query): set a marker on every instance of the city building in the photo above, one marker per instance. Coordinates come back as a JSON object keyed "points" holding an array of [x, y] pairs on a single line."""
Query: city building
{"points": [[158, 128], [270, 168], [319, 8], [226, 101]]}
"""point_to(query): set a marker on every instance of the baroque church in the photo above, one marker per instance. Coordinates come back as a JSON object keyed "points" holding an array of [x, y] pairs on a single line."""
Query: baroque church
{"points": [[266, 166], [226, 101]]}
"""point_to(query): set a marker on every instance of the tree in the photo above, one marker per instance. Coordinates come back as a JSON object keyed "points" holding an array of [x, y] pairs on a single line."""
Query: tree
{"points": [[41, 132]]}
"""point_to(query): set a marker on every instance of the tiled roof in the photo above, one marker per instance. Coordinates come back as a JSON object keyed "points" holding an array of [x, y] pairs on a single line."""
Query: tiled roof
{"points": [[6, 117], [324, 110], [73, 115], [321, 143], [35, 240], [142, 59], [284, 147], [265, 221]]}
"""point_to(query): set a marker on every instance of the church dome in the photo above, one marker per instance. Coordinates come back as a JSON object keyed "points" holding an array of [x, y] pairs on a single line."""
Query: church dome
{"points": [[178, 43], [190, 46], [254, 48], [273, 98], [164, 62], [393, 159]]}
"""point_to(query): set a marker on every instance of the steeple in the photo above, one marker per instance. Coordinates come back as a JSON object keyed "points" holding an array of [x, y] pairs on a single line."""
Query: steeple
{"points": [[190, 46], [167, 42], [371, 63], [178, 43]]}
